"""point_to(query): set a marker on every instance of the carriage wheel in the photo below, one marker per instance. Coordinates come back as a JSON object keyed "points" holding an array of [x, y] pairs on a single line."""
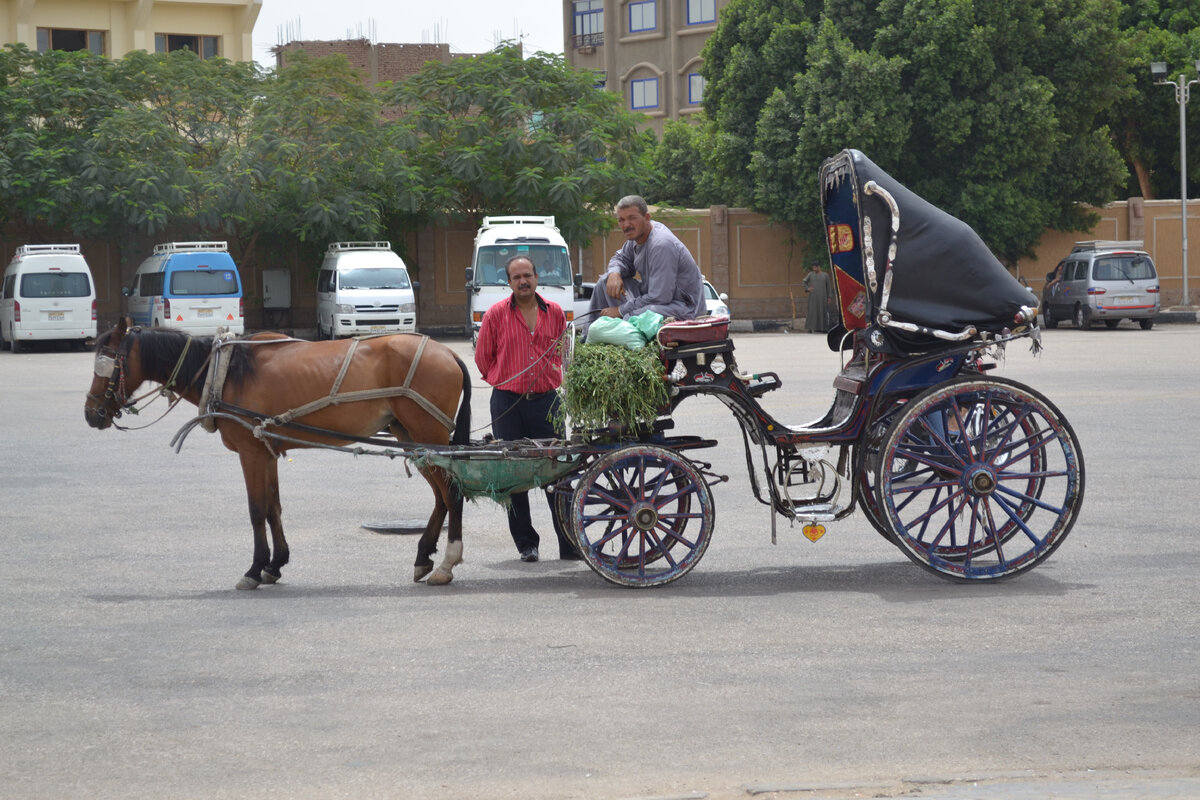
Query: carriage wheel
{"points": [[642, 516], [867, 455], [996, 481]]}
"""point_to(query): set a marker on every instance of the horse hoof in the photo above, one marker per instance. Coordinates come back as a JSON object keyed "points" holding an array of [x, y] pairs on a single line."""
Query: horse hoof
{"points": [[268, 577], [247, 583], [421, 572], [440, 577]]}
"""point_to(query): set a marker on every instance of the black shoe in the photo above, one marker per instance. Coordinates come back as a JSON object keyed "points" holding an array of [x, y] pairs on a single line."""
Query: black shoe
{"points": [[530, 555]]}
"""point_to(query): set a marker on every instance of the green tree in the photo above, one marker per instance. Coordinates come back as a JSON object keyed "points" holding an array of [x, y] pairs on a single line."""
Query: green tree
{"points": [[502, 133], [680, 173], [991, 109], [1145, 122]]}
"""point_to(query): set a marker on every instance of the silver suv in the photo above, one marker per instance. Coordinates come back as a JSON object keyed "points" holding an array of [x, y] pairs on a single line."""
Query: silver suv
{"points": [[1102, 281]]}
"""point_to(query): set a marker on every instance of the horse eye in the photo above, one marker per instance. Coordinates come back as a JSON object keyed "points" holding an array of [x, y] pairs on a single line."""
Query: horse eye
{"points": [[104, 366]]}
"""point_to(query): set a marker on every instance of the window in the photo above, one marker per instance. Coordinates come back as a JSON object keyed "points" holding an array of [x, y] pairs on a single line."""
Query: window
{"points": [[203, 46], [700, 12], [644, 93], [203, 282], [55, 284], [589, 22], [695, 88], [642, 16], [71, 40]]}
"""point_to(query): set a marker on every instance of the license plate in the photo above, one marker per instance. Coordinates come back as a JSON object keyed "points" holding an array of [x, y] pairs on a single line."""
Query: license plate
{"points": [[378, 328], [204, 313], [1127, 301], [56, 316]]}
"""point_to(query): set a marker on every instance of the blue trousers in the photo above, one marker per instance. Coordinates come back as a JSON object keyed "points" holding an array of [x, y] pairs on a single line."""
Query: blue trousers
{"points": [[519, 416]]}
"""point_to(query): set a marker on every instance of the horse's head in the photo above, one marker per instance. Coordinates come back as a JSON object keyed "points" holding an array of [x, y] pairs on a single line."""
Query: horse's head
{"points": [[118, 373]]}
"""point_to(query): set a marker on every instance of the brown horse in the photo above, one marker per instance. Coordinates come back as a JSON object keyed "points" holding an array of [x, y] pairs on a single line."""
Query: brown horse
{"points": [[405, 384]]}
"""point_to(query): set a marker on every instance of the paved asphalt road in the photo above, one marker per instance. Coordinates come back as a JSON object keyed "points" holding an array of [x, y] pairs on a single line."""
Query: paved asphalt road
{"points": [[131, 668]]}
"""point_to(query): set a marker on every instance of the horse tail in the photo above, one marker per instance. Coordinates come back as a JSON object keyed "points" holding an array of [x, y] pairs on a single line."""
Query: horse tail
{"points": [[462, 423]]}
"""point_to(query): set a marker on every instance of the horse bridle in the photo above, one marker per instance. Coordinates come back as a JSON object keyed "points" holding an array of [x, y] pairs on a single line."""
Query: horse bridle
{"points": [[110, 363]]}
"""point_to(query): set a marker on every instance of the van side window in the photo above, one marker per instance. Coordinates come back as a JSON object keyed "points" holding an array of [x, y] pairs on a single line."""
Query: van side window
{"points": [[152, 284], [9, 283], [325, 281]]}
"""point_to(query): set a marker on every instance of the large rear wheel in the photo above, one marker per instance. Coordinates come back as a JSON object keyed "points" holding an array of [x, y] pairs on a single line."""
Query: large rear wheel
{"points": [[642, 516], [992, 480]]}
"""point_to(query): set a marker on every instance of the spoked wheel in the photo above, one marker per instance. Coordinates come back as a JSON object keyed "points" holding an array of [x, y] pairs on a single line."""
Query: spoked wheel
{"points": [[867, 469], [979, 479], [642, 516]]}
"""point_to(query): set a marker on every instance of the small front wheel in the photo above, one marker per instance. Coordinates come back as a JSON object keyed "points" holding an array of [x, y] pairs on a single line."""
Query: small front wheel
{"points": [[642, 516], [995, 484]]}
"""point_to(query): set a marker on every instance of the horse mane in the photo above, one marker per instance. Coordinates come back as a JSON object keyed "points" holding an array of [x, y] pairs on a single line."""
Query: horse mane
{"points": [[161, 348]]}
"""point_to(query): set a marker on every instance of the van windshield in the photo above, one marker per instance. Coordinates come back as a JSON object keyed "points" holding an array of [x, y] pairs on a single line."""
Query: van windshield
{"points": [[374, 278], [1123, 268], [203, 282], [553, 265], [55, 284]]}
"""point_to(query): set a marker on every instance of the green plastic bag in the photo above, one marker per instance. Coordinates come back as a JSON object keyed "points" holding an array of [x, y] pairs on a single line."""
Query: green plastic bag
{"points": [[614, 330], [648, 322]]}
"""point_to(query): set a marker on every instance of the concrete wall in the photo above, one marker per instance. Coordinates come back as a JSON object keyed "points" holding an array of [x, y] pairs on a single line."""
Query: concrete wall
{"points": [[742, 253]]}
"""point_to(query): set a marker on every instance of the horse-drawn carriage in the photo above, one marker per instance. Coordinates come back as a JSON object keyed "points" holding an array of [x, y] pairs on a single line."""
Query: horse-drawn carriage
{"points": [[973, 477]]}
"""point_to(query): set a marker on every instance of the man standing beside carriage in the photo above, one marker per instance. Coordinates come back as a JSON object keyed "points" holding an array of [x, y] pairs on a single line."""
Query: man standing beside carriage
{"points": [[518, 355]]}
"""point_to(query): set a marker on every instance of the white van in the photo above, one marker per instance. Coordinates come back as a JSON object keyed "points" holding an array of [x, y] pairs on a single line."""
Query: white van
{"points": [[501, 238], [364, 288], [192, 286], [48, 293]]}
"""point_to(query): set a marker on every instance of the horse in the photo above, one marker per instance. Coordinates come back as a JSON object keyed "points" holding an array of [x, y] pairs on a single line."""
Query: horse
{"points": [[343, 390]]}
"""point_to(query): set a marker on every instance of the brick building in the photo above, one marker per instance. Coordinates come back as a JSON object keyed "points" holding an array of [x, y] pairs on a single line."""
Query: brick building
{"points": [[375, 62]]}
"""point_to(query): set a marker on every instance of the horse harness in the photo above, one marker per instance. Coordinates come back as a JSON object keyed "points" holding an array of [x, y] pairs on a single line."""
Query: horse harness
{"points": [[213, 406]]}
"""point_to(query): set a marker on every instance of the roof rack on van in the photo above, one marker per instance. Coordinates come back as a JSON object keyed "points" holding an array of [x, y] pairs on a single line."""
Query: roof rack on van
{"points": [[491, 222], [1109, 244], [336, 246], [175, 247], [30, 249]]}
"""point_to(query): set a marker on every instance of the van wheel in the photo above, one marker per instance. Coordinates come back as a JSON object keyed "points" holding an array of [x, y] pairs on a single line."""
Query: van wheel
{"points": [[1146, 324], [1083, 318], [17, 346], [1111, 323], [4, 345], [1048, 318]]}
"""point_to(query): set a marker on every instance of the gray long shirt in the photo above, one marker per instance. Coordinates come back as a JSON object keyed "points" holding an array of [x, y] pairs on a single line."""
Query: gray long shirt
{"points": [[671, 283]]}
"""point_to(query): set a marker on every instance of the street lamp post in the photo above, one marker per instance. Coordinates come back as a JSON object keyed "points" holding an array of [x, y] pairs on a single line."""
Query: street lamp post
{"points": [[1158, 70]]}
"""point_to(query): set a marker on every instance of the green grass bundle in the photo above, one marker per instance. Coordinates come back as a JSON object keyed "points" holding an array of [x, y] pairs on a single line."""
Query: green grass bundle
{"points": [[607, 382]]}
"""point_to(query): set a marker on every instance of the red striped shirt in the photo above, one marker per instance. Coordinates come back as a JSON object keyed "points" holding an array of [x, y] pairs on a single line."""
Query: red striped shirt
{"points": [[507, 347]]}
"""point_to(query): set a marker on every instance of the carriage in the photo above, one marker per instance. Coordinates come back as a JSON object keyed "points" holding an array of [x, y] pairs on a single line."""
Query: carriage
{"points": [[972, 476]]}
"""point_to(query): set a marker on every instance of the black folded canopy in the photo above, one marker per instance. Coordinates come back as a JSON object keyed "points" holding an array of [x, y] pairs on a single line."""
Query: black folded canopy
{"points": [[943, 276]]}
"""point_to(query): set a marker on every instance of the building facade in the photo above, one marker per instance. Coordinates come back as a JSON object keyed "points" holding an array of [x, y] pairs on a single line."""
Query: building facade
{"points": [[375, 62], [115, 27], [648, 51]]}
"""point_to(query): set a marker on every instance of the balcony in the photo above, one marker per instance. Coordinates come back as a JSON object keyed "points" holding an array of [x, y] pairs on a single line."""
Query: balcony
{"points": [[583, 40]]}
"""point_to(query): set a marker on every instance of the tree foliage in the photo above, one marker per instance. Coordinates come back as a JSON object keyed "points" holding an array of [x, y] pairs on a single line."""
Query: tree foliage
{"points": [[502, 133], [1145, 123], [307, 153], [991, 109]]}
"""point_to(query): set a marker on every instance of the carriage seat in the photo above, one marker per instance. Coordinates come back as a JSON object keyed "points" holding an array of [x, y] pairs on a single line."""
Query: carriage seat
{"points": [[693, 331]]}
